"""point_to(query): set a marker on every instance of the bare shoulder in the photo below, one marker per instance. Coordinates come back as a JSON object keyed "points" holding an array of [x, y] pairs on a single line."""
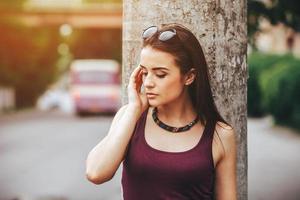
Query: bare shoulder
{"points": [[225, 131], [226, 135]]}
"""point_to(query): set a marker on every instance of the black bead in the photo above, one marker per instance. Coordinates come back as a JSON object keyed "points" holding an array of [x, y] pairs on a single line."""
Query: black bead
{"points": [[170, 128]]}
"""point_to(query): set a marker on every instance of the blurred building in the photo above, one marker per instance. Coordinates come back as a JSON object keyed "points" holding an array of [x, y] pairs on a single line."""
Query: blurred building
{"points": [[77, 13], [278, 39]]}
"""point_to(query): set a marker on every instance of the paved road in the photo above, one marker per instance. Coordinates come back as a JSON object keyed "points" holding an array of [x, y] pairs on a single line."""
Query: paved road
{"points": [[274, 161], [42, 157]]}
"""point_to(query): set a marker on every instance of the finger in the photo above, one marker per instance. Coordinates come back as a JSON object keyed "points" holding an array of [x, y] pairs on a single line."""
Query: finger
{"points": [[139, 80], [136, 79], [144, 99], [132, 78], [135, 73]]}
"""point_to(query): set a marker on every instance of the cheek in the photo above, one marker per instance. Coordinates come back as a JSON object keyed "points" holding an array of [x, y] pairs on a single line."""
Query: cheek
{"points": [[173, 87]]}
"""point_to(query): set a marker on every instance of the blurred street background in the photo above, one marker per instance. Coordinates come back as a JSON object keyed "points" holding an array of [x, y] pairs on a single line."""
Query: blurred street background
{"points": [[53, 111]]}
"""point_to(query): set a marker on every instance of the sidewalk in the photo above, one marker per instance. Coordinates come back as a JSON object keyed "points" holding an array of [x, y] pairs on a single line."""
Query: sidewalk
{"points": [[273, 161]]}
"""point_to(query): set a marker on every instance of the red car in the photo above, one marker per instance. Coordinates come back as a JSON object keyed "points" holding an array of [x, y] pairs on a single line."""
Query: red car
{"points": [[95, 86]]}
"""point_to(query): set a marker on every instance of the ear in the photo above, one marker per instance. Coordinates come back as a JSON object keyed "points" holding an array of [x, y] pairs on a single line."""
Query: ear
{"points": [[190, 77]]}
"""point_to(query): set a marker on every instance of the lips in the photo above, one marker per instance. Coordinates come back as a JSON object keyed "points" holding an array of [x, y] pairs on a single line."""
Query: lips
{"points": [[151, 95]]}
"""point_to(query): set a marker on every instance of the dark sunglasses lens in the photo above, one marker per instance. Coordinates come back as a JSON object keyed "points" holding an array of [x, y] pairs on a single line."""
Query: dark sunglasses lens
{"points": [[149, 32], [166, 35]]}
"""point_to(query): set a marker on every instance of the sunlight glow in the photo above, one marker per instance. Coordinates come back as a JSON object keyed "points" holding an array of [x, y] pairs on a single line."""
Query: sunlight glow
{"points": [[65, 30], [53, 3]]}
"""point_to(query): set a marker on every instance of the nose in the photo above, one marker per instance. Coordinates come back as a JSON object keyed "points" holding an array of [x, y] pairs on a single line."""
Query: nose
{"points": [[148, 81]]}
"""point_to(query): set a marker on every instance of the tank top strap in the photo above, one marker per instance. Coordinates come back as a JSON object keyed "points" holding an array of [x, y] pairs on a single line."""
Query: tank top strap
{"points": [[208, 134], [140, 124]]}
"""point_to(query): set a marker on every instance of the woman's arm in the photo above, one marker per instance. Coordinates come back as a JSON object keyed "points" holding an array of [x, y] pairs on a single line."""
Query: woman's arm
{"points": [[104, 159], [225, 185]]}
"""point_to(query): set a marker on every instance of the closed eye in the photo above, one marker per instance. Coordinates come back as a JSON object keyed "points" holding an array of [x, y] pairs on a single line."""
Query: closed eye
{"points": [[161, 76], [144, 73]]}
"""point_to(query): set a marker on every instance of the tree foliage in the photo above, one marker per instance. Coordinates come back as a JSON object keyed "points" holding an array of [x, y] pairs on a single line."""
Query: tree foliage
{"points": [[277, 11], [27, 60]]}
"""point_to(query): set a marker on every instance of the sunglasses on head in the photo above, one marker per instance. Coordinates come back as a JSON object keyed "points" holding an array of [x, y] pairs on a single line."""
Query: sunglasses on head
{"points": [[163, 36]]}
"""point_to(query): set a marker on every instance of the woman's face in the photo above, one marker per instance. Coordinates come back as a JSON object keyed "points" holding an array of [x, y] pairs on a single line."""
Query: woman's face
{"points": [[162, 79]]}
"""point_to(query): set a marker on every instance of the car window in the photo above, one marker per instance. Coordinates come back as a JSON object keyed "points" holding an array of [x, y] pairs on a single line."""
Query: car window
{"points": [[95, 77]]}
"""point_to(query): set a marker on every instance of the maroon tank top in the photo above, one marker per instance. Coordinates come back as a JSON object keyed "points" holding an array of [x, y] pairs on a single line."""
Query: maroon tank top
{"points": [[152, 174]]}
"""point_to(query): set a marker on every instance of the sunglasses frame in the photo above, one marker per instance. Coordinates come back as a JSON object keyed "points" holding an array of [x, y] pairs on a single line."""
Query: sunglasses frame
{"points": [[163, 36]]}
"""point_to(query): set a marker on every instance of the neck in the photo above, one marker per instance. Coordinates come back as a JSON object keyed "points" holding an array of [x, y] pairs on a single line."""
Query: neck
{"points": [[177, 113]]}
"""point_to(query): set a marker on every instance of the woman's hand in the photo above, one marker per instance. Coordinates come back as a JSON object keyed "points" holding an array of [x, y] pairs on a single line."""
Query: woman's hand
{"points": [[136, 97]]}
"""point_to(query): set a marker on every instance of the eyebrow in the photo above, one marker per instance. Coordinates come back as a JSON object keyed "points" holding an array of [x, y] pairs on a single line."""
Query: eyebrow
{"points": [[156, 68]]}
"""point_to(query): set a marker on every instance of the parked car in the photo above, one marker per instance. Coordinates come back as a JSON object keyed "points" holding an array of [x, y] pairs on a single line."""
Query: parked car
{"points": [[57, 96], [95, 85]]}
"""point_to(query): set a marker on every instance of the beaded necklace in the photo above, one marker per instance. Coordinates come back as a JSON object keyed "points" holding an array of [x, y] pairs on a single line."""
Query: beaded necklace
{"points": [[171, 128]]}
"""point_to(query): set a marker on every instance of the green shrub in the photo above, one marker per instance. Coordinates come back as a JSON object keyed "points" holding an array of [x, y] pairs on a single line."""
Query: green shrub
{"points": [[273, 85], [257, 63], [281, 97]]}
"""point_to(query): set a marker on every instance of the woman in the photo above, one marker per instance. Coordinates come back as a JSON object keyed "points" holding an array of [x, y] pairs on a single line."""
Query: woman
{"points": [[170, 135]]}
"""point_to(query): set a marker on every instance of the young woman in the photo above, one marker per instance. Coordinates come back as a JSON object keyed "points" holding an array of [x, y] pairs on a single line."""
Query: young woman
{"points": [[172, 140]]}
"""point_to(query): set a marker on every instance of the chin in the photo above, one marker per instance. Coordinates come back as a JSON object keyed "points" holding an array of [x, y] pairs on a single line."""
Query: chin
{"points": [[153, 103]]}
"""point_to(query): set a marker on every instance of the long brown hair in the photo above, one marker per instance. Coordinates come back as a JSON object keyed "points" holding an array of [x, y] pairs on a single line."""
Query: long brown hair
{"points": [[188, 54]]}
